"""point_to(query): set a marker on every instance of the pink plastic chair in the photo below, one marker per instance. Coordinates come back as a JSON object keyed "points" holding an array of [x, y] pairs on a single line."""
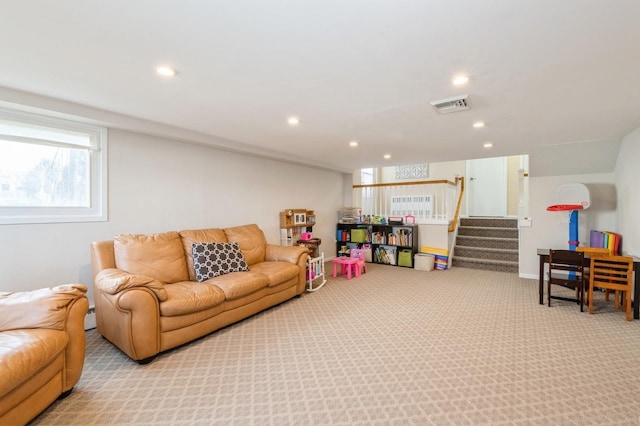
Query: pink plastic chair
{"points": [[360, 265]]}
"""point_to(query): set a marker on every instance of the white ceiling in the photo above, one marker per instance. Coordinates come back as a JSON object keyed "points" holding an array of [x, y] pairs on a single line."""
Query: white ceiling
{"points": [[543, 73]]}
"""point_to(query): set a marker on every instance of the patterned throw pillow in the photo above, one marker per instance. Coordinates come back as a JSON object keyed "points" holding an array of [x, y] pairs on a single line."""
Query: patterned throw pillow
{"points": [[214, 259]]}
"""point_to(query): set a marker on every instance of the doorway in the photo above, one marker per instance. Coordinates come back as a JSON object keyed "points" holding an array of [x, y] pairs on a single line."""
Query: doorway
{"points": [[487, 187]]}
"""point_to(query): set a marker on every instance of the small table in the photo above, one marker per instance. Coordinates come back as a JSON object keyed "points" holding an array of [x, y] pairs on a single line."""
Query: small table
{"points": [[543, 255], [346, 265]]}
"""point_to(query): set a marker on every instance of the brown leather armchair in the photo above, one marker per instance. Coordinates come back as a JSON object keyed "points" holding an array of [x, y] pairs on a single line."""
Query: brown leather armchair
{"points": [[42, 348]]}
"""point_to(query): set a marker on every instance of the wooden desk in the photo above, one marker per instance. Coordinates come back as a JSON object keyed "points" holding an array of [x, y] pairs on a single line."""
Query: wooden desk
{"points": [[543, 254]]}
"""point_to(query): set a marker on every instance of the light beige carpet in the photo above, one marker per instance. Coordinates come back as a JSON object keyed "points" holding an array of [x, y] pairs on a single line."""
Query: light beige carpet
{"points": [[393, 347]]}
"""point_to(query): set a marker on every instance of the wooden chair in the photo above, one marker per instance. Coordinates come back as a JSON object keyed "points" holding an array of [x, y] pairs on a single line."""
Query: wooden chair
{"points": [[612, 273], [566, 269], [589, 251]]}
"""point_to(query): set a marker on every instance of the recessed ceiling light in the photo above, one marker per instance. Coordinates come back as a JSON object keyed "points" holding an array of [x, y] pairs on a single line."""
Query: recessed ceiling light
{"points": [[165, 71], [353, 144], [488, 145], [293, 121], [460, 80], [478, 124], [387, 156]]}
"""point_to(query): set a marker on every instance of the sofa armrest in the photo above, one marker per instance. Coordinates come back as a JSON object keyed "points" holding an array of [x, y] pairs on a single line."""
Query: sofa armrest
{"points": [[289, 254], [43, 308], [113, 281], [75, 351], [60, 308], [127, 311], [293, 254]]}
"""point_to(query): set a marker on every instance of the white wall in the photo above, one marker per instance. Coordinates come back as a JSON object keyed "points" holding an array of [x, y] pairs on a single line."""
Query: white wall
{"points": [[513, 184], [431, 235], [551, 229], [615, 203], [347, 189], [157, 185], [444, 170], [450, 169], [628, 187]]}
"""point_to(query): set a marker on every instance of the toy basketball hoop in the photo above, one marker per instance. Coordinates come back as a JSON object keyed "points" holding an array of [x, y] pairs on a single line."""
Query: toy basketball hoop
{"points": [[564, 207], [571, 197]]}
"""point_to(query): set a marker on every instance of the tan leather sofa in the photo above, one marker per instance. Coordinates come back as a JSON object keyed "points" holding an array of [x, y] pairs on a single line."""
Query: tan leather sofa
{"points": [[42, 347], [147, 299]]}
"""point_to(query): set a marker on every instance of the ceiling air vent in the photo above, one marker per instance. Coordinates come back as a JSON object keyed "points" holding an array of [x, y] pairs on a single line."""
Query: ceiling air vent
{"points": [[449, 105]]}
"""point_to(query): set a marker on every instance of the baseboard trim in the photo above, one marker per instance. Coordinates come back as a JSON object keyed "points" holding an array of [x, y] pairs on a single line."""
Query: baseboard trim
{"points": [[90, 319], [530, 276]]}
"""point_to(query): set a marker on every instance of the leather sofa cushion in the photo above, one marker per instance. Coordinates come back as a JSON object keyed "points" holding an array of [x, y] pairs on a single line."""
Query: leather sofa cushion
{"points": [[187, 297], [159, 256], [26, 352], [190, 236], [43, 308], [251, 240], [239, 284], [276, 272]]}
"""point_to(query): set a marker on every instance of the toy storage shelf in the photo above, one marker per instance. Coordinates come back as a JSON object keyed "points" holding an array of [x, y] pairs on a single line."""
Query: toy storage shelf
{"points": [[385, 244]]}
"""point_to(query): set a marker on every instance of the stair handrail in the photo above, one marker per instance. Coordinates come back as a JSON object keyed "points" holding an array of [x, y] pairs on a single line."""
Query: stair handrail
{"points": [[422, 182], [454, 222], [438, 182]]}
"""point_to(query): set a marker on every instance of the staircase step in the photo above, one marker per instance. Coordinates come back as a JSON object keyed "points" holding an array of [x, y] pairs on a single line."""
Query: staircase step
{"points": [[487, 242], [486, 253], [486, 264], [489, 222], [480, 231]]}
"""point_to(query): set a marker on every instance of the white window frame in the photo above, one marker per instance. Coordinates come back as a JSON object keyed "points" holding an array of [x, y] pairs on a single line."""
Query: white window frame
{"points": [[97, 210], [372, 174]]}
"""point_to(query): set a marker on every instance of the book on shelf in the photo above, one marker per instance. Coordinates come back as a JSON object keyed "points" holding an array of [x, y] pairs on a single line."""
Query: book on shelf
{"points": [[386, 255], [378, 238], [391, 255], [400, 237], [381, 255], [605, 239]]}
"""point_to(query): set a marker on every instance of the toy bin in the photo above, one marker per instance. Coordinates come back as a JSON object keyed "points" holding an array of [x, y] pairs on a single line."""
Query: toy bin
{"points": [[423, 261], [358, 235], [404, 258]]}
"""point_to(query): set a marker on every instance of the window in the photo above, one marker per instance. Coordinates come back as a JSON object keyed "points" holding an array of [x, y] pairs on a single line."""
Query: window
{"points": [[412, 171], [365, 196], [51, 170], [367, 176]]}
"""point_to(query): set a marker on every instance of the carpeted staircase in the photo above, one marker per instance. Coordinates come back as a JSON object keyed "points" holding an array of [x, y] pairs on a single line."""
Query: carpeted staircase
{"points": [[487, 243]]}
